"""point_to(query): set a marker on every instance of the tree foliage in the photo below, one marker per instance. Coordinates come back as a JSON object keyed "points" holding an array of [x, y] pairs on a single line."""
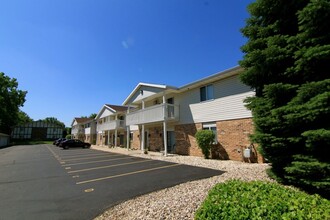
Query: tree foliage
{"points": [[53, 120], [204, 140], [23, 118], [287, 60], [11, 98]]}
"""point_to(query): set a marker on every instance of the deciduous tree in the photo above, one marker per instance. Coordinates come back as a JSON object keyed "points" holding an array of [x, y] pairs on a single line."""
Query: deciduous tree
{"points": [[11, 98]]}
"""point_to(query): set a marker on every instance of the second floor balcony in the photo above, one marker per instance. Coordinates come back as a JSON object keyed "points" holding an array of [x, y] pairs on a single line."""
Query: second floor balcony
{"points": [[110, 125], [78, 131], [88, 130], [156, 113]]}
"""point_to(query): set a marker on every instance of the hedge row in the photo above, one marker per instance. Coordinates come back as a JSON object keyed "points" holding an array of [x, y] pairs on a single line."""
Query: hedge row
{"points": [[260, 200]]}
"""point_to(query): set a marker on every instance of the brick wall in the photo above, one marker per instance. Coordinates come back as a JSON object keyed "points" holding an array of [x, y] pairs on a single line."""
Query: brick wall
{"points": [[135, 143], [185, 139], [156, 139], [232, 135]]}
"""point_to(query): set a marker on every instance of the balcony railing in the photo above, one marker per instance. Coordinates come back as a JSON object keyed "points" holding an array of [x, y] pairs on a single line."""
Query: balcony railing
{"points": [[77, 131], [111, 125], [156, 113], [88, 130]]}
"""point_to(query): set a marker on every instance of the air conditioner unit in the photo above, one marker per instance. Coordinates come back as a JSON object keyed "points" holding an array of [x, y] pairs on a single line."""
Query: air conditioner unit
{"points": [[247, 153]]}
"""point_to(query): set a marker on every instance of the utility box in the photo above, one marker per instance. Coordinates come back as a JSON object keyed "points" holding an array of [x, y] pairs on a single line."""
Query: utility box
{"points": [[247, 153]]}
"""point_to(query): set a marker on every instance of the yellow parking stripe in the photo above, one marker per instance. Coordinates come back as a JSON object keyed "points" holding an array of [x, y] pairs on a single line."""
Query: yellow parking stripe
{"points": [[126, 174], [96, 161], [103, 167], [82, 155], [87, 158]]}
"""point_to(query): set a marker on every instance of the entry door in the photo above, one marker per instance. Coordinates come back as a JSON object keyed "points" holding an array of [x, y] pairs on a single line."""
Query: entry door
{"points": [[170, 142]]}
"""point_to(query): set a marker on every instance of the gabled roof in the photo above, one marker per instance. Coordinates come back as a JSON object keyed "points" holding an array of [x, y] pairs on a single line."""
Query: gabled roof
{"points": [[82, 120], [117, 108], [138, 87], [113, 108]]}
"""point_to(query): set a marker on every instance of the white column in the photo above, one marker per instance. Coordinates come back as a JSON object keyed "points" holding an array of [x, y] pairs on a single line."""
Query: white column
{"points": [[108, 137], [165, 138], [142, 138], [143, 141], [116, 131], [128, 131], [165, 125], [127, 137]]}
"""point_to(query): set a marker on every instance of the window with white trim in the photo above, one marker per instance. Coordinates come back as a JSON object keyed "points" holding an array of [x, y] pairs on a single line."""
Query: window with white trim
{"points": [[206, 93], [212, 127]]}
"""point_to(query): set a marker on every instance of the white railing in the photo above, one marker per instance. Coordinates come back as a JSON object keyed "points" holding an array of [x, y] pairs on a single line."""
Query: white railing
{"points": [[156, 113], [77, 131], [88, 130], [111, 125]]}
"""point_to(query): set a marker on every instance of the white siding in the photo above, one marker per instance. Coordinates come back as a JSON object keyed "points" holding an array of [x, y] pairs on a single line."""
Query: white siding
{"points": [[147, 91], [227, 103], [106, 113]]}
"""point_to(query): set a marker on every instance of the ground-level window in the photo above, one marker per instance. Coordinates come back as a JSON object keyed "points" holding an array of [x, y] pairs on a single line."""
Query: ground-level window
{"points": [[131, 136], [206, 93], [212, 127]]}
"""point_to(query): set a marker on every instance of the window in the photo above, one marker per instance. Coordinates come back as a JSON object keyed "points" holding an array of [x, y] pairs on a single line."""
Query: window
{"points": [[206, 93], [212, 127]]}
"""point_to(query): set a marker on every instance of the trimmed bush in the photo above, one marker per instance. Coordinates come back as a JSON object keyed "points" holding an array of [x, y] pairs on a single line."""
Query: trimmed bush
{"points": [[236, 199], [68, 136], [204, 140]]}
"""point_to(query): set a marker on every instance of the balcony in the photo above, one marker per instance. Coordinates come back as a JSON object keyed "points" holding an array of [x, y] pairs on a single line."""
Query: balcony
{"points": [[156, 113], [111, 125], [77, 131], [88, 130]]}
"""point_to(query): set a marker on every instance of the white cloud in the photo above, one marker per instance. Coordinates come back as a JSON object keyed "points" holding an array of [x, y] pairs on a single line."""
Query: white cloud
{"points": [[127, 43]]}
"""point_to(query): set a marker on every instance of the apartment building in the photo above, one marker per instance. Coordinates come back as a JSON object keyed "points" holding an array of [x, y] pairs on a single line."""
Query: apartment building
{"points": [[84, 129], [168, 117], [112, 130]]}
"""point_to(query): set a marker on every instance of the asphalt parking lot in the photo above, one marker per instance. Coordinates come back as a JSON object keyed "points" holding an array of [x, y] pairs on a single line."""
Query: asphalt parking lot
{"points": [[81, 183]]}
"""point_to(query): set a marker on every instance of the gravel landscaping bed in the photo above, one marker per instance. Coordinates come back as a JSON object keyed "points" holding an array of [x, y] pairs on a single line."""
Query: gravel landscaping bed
{"points": [[181, 201]]}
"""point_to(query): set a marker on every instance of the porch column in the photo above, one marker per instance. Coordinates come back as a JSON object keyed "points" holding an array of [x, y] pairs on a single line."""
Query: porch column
{"points": [[127, 131], [127, 137], [108, 137], [116, 133], [142, 139], [165, 138], [165, 125]]}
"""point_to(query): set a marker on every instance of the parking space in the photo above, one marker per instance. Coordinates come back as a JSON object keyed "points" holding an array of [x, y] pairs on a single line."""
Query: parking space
{"points": [[81, 183], [93, 167]]}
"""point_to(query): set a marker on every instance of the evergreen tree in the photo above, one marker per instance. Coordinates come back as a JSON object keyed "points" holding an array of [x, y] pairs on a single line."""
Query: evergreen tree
{"points": [[287, 60]]}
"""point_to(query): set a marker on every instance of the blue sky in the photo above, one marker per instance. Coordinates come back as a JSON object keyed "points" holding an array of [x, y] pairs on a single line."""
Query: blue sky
{"points": [[73, 56]]}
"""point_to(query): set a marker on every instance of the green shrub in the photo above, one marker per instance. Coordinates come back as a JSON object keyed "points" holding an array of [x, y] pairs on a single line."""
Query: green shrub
{"points": [[260, 200], [68, 136], [204, 140]]}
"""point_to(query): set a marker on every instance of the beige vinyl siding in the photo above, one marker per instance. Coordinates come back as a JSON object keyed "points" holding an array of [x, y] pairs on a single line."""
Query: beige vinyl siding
{"points": [[105, 113], [227, 103], [147, 91]]}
